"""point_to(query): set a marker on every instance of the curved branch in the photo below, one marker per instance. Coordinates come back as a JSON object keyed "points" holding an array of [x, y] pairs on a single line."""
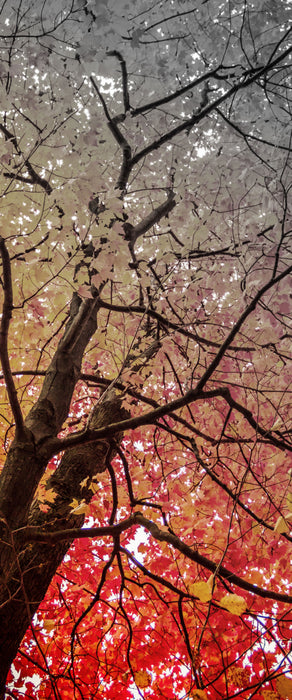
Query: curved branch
{"points": [[224, 392], [155, 577], [219, 569], [134, 232], [188, 124], [166, 324], [36, 535], [251, 137], [232, 495], [120, 139], [181, 91], [55, 445], [122, 61], [33, 533], [227, 342]]}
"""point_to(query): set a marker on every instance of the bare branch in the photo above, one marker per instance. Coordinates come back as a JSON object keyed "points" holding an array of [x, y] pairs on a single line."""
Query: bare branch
{"points": [[31, 534], [219, 569], [35, 534], [227, 342], [56, 445], [233, 495], [188, 124], [4, 328], [155, 577], [35, 178], [251, 137], [120, 139], [133, 232], [166, 324], [174, 95], [124, 78]]}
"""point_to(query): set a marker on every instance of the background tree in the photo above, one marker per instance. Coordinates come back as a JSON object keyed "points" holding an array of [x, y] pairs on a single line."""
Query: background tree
{"points": [[145, 493]]}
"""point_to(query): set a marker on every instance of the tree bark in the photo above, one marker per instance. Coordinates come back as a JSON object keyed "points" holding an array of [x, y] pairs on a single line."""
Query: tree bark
{"points": [[27, 570]]}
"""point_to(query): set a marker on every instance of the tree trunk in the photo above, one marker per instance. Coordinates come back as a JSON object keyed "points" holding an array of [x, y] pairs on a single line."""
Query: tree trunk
{"points": [[27, 569]]}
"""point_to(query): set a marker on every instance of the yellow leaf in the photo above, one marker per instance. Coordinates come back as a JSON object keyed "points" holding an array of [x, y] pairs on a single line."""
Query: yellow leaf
{"points": [[199, 694], [202, 590], [50, 495], [289, 500], [233, 603], [282, 525], [270, 695], [284, 686], [78, 507], [239, 676], [142, 679], [45, 495], [49, 625]]}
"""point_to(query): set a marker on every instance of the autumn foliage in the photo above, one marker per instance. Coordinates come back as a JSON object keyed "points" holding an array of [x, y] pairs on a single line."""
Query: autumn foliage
{"points": [[145, 344]]}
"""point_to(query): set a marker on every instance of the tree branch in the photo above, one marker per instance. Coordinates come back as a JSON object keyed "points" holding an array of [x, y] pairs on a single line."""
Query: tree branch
{"points": [[30, 534], [51, 409], [35, 178], [55, 445], [155, 577], [250, 137], [120, 139], [4, 328], [174, 95], [35, 534], [134, 232], [227, 342], [219, 569], [122, 61], [188, 124], [166, 324], [233, 495]]}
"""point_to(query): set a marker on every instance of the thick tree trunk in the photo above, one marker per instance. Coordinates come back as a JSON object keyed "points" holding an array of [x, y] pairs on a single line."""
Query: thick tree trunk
{"points": [[33, 566], [27, 570]]}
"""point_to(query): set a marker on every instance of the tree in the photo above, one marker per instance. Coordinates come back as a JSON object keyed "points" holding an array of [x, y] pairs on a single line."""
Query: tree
{"points": [[145, 242]]}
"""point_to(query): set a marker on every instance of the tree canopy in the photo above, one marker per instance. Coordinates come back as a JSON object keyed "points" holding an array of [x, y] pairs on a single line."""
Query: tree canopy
{"points": [[145, 344]]}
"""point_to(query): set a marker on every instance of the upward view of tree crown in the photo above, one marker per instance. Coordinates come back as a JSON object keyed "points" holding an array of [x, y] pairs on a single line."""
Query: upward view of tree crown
{"points": [[145, 346]]}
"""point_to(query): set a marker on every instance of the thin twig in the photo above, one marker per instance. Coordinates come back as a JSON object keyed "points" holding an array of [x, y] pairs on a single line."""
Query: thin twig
{"points": [[35, 178], [188, 124]]}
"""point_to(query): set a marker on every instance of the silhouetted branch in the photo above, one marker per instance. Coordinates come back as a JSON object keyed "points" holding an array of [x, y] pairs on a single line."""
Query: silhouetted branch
{"points": [[120, 139], [4, 328], [122, 61], [31, 534], [188, 124], [35, 178], [134, 232], [55, 445]]}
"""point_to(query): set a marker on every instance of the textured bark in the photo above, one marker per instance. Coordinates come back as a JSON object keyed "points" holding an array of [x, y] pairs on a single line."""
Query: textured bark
{"points": [[26, 570], [27, 458], [33, 566]]}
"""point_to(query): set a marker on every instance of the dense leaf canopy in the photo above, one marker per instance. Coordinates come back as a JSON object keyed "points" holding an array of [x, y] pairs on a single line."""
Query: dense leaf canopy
{"points": [[145, 495]]}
